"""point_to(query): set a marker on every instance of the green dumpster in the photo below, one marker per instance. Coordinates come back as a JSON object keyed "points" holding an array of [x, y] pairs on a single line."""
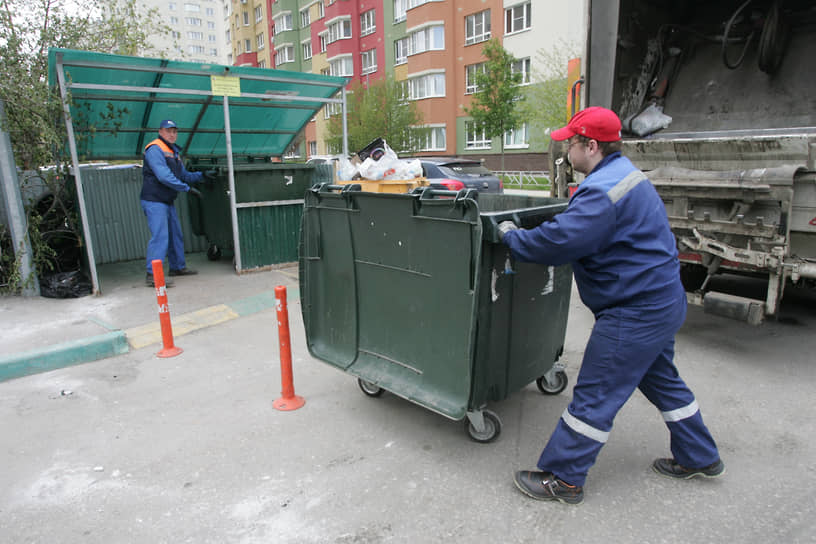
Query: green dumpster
{"points": [[269, 202], [414, 294]]}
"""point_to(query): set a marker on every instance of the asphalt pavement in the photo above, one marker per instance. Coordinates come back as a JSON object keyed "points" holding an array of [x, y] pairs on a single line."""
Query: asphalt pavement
{"points": [[136, 448]]}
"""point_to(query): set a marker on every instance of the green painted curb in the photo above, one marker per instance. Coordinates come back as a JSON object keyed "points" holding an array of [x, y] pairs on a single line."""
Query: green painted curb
{"points": [[62, 355]]}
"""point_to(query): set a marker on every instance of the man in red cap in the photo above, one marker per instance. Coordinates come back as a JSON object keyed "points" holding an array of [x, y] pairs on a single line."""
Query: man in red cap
{"points": [[616, 235]]}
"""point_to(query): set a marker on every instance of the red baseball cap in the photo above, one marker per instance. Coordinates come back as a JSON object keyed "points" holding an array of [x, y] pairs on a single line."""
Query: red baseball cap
{"points": [[596, 123]]}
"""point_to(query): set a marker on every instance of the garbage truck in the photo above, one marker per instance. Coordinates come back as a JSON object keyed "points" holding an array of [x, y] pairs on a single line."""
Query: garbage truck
{"points": [[718, 104]]}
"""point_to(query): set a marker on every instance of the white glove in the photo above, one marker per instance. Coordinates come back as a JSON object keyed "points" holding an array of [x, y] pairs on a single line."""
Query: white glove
{"points": [[505, 227]]}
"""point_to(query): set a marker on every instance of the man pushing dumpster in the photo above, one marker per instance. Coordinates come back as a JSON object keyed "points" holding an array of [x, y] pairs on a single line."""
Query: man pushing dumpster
{"points": [[163, 177], [616, 235]]}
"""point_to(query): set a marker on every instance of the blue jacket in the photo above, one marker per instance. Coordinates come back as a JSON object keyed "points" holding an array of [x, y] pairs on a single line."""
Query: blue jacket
{"points": [[616, 234], [163, 173]]}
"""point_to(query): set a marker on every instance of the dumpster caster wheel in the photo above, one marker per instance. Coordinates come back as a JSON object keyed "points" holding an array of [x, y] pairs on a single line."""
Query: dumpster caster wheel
{"points": [[369, 388], [213, 253], [490, 422], [558, 385]]}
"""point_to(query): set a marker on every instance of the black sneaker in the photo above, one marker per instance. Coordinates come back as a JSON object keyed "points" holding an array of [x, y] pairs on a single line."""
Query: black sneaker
{"points": [[673, 469], [150, 283], [183, 272], [544, 486]]}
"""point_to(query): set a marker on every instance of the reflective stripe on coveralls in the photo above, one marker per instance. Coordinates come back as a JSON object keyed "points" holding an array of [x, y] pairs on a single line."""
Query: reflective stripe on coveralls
{"points": [[681, 413], [625, 185], [582, 428]]}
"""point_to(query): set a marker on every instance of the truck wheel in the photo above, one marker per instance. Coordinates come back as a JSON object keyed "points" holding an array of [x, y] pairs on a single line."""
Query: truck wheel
{"points": [[692, 276], [553, 389], [491, 431], [213, 252], [369, 388]]}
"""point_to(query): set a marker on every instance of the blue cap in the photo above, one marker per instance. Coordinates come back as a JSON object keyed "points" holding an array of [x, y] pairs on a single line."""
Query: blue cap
{"points": [[168, 123]]}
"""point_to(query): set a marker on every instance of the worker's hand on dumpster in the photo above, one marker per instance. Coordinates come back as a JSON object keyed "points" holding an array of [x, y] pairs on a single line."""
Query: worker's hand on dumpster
{"points": [[195, 192], [211, 174], [505, 227]]}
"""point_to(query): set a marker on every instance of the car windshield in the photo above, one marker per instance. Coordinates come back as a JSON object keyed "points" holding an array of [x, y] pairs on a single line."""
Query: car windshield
{"points": [[467, 169]]}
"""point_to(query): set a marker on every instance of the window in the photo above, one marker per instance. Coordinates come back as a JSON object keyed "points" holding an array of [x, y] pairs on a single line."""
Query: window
{"points": [[401, 51], [210, 12], [312, 148], [431, 138], [283, 22], [321, 10], [248, 45], [194, 49], [284, 54], [259, 41], [175, 34], [195, 35], [210, 25], [328, 111], [343, 66], [517, 137], [470, 76], [324, 40], [517, 18], [427, 39], [305, 19], [194, 8], [211, 38], [214, 52], [475, 136], [171, 6], [523, 66], [246, 18], [261, 63], [339, 30], [400, 7], [228, 36], [173, 20], [306, 49], [369, 61], [368, 23], [258, 14], [477, 27], [426, 86], [192, 21]]}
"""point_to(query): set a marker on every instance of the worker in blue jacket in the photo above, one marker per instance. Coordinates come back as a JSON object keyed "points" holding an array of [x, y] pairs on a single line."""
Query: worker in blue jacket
{"points": [[616, 234], [163, 177]]}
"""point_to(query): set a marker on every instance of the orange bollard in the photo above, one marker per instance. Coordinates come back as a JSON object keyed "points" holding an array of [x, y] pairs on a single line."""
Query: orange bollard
{"points": [[169, 350], [288, 400]]}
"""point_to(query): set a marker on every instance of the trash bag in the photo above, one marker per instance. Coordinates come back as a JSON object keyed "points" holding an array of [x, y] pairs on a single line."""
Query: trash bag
{"points": [[72, 284]]}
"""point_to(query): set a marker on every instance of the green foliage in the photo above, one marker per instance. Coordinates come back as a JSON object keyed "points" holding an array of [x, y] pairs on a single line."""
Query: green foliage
{"points": [[379, 111], [545, 107], [495, 105], [28, 29]]}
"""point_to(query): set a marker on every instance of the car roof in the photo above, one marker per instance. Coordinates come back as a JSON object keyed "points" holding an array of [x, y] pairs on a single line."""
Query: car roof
{"points": [[442, 161]]}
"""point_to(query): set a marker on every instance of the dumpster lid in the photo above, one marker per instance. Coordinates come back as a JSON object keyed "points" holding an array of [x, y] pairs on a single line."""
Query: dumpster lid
{"points": [[119, 101]]}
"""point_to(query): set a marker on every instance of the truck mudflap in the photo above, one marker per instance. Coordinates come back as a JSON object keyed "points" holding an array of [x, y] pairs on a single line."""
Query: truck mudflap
{"points": [[736, 221]]}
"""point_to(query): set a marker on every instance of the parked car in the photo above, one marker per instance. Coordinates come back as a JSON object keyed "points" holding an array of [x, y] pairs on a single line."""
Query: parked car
{"points": [[323, 159], [455, 174]]}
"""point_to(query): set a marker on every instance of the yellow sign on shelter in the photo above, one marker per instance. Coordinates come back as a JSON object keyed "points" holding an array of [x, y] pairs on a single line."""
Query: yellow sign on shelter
{"points": [[225, 85]]}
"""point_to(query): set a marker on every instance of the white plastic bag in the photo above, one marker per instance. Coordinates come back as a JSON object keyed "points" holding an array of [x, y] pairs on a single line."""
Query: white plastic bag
{"points": [[382, 168], [346, 170], [650, 120]]}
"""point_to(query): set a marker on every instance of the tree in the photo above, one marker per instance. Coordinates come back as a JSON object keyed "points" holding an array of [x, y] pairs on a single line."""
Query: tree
{"points": [[28, 29], [494, 106], [378, 111], [545, 107]]}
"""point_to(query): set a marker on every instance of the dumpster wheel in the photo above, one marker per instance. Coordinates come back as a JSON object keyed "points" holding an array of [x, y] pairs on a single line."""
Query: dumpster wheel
{"points": [[491, 426], [554, 386], [369, 388], [213, 252]]}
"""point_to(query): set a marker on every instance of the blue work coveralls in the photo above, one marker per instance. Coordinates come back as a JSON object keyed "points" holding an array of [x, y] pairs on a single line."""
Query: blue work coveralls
{"points": [[163, 177], [616, 234]]}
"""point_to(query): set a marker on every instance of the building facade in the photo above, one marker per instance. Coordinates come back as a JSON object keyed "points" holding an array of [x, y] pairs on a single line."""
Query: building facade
{"points": [[196, 30], [433, 46]]}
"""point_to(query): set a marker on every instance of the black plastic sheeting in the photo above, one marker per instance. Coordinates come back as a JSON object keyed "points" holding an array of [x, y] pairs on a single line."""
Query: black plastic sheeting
{"points": [[72, 284]]}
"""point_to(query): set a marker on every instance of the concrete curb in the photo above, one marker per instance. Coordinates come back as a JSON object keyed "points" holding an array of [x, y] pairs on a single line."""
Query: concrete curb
{"points": [[61, 355]]}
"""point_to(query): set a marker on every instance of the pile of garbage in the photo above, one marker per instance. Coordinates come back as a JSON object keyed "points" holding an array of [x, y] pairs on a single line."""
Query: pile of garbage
{"points": [[376, 162]]}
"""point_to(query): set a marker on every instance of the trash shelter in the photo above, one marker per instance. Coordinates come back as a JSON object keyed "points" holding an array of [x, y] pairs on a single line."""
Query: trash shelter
{"points": [[414, 294], [226, 115]]}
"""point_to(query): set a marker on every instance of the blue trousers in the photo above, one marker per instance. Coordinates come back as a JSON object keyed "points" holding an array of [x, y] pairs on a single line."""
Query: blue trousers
{"points": [[166, 238], [630, 347]]}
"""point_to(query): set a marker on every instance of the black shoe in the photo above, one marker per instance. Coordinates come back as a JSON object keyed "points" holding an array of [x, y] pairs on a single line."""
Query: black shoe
{"points": [[149, 281], [546, 487], [673, 469], [183, 272]]}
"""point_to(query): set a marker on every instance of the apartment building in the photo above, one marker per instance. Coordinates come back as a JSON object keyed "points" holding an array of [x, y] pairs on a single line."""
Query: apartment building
{"points": [[433, 46], [197, 30]]}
